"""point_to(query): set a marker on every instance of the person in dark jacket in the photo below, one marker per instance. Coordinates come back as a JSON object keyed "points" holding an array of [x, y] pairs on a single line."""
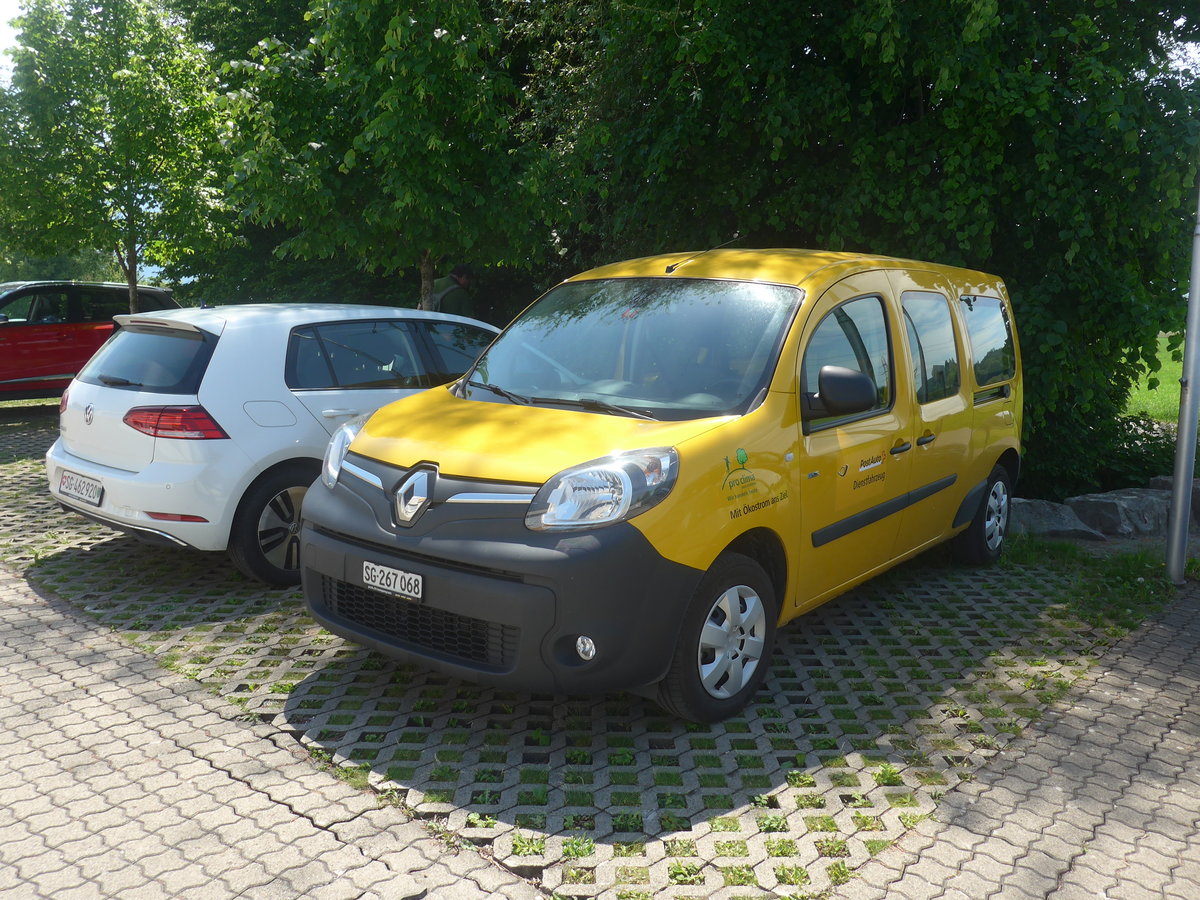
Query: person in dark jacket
{"points": [[451, 293]]}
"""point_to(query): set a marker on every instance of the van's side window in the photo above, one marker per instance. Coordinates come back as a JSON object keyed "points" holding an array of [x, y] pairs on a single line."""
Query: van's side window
{"points": [[931, 346], [991, 339], [852, 336]]}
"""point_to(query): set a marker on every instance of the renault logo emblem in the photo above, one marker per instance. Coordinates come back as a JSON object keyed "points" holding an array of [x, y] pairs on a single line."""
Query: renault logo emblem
{"points": [[89, 413], [412, 496]]}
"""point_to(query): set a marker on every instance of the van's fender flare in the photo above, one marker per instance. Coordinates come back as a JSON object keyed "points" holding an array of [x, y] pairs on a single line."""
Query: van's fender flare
{"points": [[970, 505], [974, 499]]}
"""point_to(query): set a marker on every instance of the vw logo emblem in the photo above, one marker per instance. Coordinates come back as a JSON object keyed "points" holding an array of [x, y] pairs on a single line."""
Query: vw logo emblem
{"points": [[89, 413], [412, 496]]}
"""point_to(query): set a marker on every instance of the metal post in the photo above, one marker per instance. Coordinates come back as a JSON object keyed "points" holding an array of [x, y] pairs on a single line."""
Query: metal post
{"points": [[1185, 439]]}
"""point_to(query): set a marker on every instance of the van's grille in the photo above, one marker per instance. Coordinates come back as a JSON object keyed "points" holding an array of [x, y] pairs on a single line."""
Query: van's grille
{"points": [[417, 558], [462, 637]]}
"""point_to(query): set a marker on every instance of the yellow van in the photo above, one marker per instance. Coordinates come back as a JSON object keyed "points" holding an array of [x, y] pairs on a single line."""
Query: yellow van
{"points": [[663, 460]]}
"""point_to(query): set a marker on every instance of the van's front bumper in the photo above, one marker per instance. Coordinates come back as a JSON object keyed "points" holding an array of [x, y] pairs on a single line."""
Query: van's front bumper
{"points": [[500, 604]]}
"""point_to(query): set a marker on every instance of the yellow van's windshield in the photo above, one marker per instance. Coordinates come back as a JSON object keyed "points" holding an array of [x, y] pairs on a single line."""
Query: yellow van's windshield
{"points": [[663, 348]]}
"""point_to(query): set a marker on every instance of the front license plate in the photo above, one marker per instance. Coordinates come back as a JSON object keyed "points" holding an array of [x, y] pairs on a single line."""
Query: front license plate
{"points": [[395, 581], [79, 487]]}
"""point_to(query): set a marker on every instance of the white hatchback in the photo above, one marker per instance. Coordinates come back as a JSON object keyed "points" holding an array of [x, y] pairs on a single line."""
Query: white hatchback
{"points": [[204, 427]]}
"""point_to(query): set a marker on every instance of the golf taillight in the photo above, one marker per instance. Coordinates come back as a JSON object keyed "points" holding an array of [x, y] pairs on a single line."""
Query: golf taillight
{"points": [[185, 423]]}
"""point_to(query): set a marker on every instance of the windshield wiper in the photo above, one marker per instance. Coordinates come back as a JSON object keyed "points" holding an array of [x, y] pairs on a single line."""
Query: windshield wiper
{"points": [[593, 404], [496, 389], [116, 381]]}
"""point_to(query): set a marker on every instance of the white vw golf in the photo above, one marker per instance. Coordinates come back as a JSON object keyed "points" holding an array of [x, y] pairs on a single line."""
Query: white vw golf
{"points": [[204, 427]]}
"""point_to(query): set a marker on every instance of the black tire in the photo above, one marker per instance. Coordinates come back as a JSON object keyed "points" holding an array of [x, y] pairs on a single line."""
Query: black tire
{"points": [[264, 542], [719, 664], [983, 541]]}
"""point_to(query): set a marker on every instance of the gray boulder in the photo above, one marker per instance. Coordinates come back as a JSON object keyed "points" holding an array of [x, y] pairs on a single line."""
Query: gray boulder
{"points": [[1167, 483], [1045, 519], [1133, 512]]}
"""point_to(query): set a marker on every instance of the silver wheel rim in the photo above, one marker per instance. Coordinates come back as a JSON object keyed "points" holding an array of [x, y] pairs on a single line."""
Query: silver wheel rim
{"points": [[995, 521], [279, 529], [731, 642]]}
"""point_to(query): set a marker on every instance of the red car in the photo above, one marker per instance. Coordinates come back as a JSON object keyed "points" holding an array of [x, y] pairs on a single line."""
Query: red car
{"points": [[49, 329]]}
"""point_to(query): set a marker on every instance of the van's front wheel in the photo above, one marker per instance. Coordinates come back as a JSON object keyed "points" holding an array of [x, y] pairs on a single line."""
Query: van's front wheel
{"points": [[983, 541], [725, 644]]}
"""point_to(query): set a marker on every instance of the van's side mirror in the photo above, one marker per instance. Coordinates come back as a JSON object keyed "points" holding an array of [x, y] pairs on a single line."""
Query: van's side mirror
{"points": [[844, 392]]}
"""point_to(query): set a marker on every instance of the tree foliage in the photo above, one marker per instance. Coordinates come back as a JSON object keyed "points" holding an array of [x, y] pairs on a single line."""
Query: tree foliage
{"points": [[244, 266], [81, 265], [247, 270], [107, 135], [386, 138], [1055, 146], [231, 29]]}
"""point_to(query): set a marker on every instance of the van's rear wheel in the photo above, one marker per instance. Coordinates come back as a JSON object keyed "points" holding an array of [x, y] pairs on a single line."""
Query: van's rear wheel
{"points": [[725, 644], [983, 541]]}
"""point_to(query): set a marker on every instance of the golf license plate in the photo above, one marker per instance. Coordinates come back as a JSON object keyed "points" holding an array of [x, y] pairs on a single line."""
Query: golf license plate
{"points": [[394, 581], [79, 487]]}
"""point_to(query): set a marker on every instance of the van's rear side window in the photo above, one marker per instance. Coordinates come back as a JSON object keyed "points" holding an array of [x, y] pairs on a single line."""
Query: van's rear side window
{"points": [[931, 347], [990, 334]]}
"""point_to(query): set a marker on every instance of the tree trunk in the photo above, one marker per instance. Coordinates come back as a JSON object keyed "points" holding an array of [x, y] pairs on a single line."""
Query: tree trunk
{"points": [[426, 279], [131, 274], [127, 259]]}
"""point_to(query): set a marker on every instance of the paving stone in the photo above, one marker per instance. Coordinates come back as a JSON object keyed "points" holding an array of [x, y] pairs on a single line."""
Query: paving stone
{"points": [[197, 845], [971, 884], [1128, 808], [85, 891], [1086, 882], [1132, 889], [880, 677]]}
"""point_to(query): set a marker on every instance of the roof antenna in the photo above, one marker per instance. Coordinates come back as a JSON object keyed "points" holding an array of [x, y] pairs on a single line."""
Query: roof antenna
{"points": [[737, 236]]}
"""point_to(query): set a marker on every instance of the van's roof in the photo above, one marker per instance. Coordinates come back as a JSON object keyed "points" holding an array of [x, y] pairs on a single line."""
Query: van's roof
{"points": [[779, 266]]}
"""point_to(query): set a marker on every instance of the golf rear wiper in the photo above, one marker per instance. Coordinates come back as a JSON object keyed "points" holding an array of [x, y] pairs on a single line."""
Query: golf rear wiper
{"points": [[593, 404], [116, 381], [496, 389]]}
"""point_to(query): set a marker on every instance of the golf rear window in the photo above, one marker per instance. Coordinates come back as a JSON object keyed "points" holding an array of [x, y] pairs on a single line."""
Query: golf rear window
{"points": [[156, 360]]}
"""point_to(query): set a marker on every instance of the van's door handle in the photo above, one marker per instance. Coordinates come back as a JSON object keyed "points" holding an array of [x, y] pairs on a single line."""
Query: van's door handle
{"points": [[900, 448], [926, 439], [334, 413]]}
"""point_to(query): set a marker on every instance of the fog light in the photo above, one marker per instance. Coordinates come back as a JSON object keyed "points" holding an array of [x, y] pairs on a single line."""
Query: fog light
{"points": [[585, 647]]}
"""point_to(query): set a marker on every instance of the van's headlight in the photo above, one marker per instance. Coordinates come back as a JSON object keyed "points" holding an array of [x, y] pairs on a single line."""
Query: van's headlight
{"points": [[604, 491], [335, 452]]}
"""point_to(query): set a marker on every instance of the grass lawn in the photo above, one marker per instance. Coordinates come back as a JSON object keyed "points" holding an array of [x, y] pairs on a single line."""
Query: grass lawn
{"points": [[1162, 403]]}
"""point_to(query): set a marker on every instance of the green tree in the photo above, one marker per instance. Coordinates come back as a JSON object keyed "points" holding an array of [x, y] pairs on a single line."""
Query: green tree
{"points": [[243, 266], [1056, 146], [247, 270], [108, 135], [387, 138], [232, 28], [82, 265]]}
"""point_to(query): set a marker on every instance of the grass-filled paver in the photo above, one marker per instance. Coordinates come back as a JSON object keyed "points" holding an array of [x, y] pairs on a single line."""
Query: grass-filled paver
{"points": [[876, 705]]}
